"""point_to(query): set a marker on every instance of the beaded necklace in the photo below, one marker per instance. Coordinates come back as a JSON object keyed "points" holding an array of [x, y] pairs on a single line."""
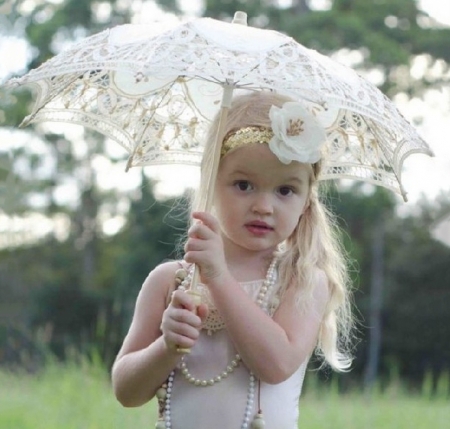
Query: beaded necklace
{"points": [[165, 392]]}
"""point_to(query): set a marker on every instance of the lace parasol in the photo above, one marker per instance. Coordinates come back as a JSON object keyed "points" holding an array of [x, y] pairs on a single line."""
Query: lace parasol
{"points": [[154, 90]]}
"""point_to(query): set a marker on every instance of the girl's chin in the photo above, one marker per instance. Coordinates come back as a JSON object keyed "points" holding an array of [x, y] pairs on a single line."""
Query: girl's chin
{"points": [[256, 246]]}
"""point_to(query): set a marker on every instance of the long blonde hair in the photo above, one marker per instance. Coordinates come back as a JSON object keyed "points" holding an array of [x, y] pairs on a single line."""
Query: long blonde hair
{"points": [[315, 243]]}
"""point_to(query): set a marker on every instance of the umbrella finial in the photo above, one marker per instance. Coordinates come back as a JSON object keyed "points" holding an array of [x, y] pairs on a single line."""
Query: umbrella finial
{"points": [[240, 18]]}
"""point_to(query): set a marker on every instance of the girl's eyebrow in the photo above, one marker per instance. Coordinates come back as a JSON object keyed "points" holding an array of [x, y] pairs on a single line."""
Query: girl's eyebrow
{"points": [[295, 179], [241, 172], [289, 179]]}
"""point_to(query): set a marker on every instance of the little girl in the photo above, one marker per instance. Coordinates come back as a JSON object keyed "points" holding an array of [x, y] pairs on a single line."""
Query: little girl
{"points": [[273, 282]]}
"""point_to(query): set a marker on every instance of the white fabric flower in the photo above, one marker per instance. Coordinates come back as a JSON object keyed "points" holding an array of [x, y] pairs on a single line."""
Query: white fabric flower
{"points": [[298, 136]]}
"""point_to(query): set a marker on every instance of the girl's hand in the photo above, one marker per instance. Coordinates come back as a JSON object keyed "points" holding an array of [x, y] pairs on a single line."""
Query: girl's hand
{"points": [[204, 247], [182, 321]]}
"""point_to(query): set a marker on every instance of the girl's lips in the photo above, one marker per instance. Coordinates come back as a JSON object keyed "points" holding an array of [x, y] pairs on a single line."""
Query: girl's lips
{"points": [[258, 228]]}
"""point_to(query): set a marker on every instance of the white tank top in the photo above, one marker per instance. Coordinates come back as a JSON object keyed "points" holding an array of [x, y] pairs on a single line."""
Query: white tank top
{"points": [[223, 404]]}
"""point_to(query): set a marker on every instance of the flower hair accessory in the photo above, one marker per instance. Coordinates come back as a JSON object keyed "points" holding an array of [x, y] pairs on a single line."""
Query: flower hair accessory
{"points": [[297, 134]]}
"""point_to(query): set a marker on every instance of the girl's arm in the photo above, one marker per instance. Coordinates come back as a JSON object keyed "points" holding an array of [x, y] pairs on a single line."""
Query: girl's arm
{"points": [[272, 348], [148, 353]]}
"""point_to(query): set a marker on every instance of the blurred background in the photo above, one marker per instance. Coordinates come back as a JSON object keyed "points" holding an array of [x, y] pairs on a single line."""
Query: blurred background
{"points": [[78, 235]]}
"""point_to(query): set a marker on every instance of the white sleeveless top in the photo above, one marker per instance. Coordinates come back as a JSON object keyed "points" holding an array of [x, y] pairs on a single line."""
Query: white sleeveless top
{"points": [[223, 404]]}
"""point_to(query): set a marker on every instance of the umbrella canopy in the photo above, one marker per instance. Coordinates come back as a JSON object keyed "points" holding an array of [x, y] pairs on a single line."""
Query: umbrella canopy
{"points": [[155, 90]]}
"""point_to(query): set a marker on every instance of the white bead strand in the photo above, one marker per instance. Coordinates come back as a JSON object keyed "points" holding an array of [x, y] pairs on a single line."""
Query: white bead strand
{"points": [[258, 421]]}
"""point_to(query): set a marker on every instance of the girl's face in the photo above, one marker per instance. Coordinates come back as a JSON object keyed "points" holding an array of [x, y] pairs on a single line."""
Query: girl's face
{"points": [[259, 200]]}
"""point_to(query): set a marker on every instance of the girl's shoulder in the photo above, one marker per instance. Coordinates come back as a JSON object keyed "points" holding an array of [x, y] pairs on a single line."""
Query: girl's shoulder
{"points": [[169, 267], [163, 277], [322, 285], [320, 277], [316, 291]]}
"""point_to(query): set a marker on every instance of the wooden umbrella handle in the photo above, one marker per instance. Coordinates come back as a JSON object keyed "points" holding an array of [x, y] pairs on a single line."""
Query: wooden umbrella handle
{"points": [[211, 174]]}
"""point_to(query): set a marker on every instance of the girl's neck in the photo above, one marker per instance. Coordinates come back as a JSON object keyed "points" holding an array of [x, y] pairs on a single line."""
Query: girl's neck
{"points": [[247, 266]]}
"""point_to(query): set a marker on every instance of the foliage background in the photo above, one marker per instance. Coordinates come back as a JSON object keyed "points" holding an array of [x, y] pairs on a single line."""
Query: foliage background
{"points": [[73, 286]]}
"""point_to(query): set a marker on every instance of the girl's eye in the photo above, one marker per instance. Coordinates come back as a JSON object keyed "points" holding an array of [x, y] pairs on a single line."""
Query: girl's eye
{"points": [[285, 191], [243, 185]]}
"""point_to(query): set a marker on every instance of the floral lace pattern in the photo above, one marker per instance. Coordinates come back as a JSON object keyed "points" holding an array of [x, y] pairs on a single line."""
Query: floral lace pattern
{"points": [[155, 93]]}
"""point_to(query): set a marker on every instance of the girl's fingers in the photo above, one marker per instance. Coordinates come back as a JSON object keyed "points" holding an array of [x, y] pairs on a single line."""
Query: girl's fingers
{"points": [[180, 326], [201, 231], [178, 341], [175, 339], [193, 244], [182, 300], [182, 330], [208, 220], [202, 311]]}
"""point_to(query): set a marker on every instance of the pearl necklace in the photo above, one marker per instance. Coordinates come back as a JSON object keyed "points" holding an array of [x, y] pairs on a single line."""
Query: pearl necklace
{"points": [[205, 383], [165, 392]]}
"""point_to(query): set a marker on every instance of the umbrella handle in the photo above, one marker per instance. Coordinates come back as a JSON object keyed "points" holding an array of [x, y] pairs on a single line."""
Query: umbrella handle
{"points": [[212, 175]]}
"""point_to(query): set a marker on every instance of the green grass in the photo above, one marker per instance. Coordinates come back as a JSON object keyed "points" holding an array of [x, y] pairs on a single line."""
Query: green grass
{"points": [[79, 396], [393, 409], [66, 397]]}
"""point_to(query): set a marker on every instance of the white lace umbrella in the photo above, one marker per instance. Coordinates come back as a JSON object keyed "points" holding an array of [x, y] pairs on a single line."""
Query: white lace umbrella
{"points": [[155, 91]]}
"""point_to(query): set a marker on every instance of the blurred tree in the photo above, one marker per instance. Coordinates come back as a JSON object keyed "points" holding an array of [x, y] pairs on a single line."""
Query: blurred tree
{"points": [[53, 174], [360, 210], [39, 178], [40, 285], [152, 234], [417, 319]]}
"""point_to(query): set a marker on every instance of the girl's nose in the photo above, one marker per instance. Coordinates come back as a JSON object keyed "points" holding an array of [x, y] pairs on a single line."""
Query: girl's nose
{"points": [[262, 204]]}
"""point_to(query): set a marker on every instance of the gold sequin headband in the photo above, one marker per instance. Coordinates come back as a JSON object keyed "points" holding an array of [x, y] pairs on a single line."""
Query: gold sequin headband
{"points": [[244, 136]]}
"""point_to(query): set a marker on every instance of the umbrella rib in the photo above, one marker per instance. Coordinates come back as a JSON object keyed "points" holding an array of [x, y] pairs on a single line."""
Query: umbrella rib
{"points": [[147, 124], [234, 83], [251, 70], [29, 118], [394, 170]]}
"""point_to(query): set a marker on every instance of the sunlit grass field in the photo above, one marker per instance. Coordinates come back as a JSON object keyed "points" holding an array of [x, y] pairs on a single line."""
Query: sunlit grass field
{"points": [[79, 396]]}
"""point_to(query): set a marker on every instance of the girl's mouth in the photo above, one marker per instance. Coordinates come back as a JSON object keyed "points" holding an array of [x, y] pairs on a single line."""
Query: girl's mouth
{"points": [[258, 228]]}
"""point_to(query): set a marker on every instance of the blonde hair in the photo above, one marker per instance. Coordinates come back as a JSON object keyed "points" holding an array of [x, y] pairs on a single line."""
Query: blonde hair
{"points": [[315, 243]]}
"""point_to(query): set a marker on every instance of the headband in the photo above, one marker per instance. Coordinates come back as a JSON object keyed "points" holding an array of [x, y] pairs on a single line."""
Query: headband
{"points": [[244, 136]]}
